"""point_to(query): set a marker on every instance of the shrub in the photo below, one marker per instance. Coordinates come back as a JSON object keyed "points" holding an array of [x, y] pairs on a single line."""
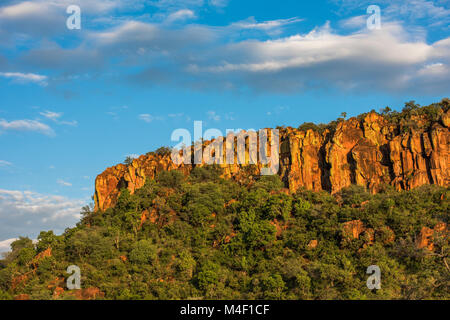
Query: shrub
{"points": [[170, 179], [143, 252]]}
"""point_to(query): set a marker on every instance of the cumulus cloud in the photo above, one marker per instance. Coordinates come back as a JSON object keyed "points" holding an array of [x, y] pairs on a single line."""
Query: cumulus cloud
{"points": [[38, 19], [5, 245], [322, 58], [25, 77], [31, 18], [26, 125], [135, 37], [26, 213]]}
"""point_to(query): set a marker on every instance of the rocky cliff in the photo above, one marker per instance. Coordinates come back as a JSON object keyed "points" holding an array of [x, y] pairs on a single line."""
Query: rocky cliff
{"points": [[405, 150]]}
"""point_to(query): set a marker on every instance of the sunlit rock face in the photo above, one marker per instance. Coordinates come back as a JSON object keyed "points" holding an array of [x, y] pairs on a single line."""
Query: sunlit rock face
{"points": [[367, 151]]}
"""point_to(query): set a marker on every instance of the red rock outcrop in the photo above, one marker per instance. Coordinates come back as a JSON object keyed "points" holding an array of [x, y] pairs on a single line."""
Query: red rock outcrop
{"points": [[356, 229], [352, 229], [369, 151], [427, 235], [313, 244], [44, 254]]}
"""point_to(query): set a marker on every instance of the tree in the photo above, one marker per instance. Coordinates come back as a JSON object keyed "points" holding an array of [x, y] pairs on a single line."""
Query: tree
{"points": [[208, 275], [22, 242], [144, 252], [170, 179], [128, 160]]}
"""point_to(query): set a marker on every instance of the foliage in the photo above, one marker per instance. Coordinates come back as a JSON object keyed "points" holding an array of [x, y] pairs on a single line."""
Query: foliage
{"points": [[217, 239]]}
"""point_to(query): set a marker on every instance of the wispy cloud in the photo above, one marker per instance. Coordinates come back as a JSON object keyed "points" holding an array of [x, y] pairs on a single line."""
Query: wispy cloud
{"points": [[435, 13], [64, 183], [251, 23], [180, 15], [19, 77], [51, 115], [212, 115], [175, 115], [218, 3], [26, 125], [146, 117], [4, 163], [55, 116]]}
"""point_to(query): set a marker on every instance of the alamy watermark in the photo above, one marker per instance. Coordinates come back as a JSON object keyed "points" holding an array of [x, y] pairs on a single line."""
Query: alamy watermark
{"points": [[239, 146], [74, 281], [374, 281], [73, 22], [374, 20]]}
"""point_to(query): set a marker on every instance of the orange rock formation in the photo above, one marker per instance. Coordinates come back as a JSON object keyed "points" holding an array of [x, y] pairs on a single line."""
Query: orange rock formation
{"points": [[366, 151]]}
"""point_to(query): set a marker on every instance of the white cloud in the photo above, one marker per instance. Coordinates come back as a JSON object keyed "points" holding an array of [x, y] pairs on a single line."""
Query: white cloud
{"points": [[323, 57], [38, 19], [182, 14], [251, 23], [358, 22], [72, 123], [54, 116], [148, 117], [64, 183], [434, 69], [218, 3], [435, 13], [26, 125], [51, 115], [26, 213], [23, 9], [25, 77], [5, 245], [135, 38], [30, 9], [322, 46]]}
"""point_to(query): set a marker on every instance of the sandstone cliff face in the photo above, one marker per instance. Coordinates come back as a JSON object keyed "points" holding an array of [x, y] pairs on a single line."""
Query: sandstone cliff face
{"points": [[369, 152]]}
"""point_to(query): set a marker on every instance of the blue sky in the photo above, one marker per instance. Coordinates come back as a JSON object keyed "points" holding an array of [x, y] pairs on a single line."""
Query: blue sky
{"points": [[73, 102]]}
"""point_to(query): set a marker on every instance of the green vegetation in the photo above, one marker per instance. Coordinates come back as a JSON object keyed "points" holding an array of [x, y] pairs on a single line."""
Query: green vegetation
{"points": [[404, 120], [206, 237], [162, 151]]}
